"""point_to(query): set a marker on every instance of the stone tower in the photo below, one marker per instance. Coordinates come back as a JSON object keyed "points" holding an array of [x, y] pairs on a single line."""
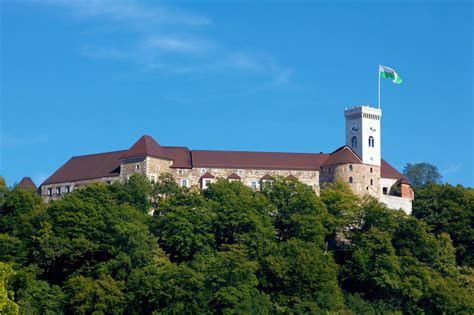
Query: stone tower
{"points": [[363, 133]]}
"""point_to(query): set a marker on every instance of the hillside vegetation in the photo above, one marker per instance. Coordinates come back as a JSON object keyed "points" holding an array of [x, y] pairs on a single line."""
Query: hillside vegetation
{"points": [[230, 250]]}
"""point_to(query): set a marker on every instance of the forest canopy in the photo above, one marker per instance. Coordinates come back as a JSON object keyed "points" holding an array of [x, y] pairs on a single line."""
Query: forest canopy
{"points": [[231, 250]]}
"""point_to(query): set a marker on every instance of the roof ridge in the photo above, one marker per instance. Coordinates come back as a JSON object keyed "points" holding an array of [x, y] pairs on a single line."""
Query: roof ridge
{"points": [[109, 152], [272, 152]]}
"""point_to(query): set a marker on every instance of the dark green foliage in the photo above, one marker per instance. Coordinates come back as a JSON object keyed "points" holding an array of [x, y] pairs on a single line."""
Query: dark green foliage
{"points": [[421, 174], [449, 209], [230, 250]]}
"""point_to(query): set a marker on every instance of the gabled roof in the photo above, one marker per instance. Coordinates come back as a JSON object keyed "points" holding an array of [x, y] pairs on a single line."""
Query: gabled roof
{"points": [[266, 177], [257, 160], [291, 177], [87, 167], [208, 175], [388, 171], [233, 176], [145, 146], [343, 155], [26, 183]]}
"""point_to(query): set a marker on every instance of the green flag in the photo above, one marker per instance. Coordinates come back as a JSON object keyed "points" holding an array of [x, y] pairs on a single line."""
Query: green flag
{"points": [[386, 72]]}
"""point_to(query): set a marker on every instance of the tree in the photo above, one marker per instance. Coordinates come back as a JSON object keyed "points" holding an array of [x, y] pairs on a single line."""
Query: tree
{"points": [[300, 273], [241, 216], [7, 304], [449, 209], [298, 212], [420, 174]]}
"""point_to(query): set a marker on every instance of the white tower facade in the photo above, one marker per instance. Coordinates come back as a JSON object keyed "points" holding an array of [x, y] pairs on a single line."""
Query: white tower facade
{"points": [[363, 132]]}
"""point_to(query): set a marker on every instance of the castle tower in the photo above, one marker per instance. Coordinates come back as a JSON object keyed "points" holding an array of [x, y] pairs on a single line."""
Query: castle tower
{"points": [[363, 133]]}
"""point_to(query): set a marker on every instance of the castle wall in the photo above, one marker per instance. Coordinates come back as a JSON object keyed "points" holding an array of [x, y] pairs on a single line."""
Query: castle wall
{"points": [[248, 176], [72, 186], [395, 202], [365, 178]]}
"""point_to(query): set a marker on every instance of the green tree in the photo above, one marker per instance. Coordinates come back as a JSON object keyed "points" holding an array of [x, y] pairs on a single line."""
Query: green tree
{"points": [[94, 296], [230, 278], [420, 174], [241, 216], [298, 212], [7, 304], [299, 272], [449, 209]]}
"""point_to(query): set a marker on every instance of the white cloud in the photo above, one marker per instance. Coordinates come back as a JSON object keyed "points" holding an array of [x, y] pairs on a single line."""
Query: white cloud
{"points": [[178, 45], [161, 38]]}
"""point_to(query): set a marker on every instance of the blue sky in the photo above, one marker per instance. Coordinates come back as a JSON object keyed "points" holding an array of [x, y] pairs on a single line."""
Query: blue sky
{"points": [[93, 76]]}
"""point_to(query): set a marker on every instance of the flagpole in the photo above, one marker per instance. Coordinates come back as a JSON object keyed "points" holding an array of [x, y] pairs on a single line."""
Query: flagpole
{"points": [[379, 85]]}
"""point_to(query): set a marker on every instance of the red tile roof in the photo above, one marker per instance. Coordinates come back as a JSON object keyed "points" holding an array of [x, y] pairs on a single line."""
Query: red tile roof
{"points": [[208, 175], [388, 171], [26, 183], [108, 164], [291, 177], [257, 160], [343, 155], [87, 167], [233, 176], [145, 146], [266, 177]]}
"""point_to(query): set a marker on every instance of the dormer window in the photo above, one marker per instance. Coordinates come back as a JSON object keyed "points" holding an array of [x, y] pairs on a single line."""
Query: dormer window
{"points": [[371, 142]]}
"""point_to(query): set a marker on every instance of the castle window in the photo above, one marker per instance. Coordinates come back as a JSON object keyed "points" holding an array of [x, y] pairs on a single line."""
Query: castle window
{"points": [[254, 185], [206, 183], [50, 192], [350, 168], [354, 142], [371, 142], [385, 190], [371, 170], [350, 180], [137, 167], [58, 191], [371, 182], [184, 183]]}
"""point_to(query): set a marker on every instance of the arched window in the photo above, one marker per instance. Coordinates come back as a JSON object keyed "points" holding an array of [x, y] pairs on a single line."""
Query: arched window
{"points": [[354, 142], [371, 142], [350, 180], [350, 167]]}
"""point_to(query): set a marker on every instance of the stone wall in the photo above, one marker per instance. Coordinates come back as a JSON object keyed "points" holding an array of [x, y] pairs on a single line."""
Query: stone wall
{"points": [[72, 186], [248, 176], [395, 202], [365, 178]]}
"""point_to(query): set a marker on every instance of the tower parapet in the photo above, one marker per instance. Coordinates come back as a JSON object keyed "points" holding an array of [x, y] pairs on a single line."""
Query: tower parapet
{"points": [[363, 133]]}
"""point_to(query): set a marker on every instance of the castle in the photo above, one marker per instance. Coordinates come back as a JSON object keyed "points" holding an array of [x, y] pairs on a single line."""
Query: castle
{"points": [[358, 163]]}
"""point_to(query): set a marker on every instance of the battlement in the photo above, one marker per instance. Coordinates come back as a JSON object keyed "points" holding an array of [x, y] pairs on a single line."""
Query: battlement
{"points": [[363, 110]]}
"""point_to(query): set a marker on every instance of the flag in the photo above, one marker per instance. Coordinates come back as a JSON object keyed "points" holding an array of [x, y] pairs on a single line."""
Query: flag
{"points": [[386, 72]]}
